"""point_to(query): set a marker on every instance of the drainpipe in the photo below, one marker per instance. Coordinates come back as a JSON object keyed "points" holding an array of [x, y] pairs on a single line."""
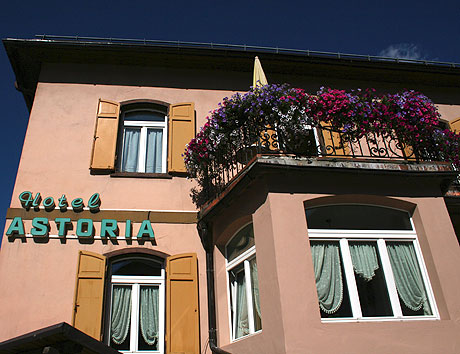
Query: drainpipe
{"points": [[206, 240]]}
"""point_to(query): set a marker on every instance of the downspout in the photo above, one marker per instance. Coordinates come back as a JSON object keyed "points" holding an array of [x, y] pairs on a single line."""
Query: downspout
{"points": [[206, 240]]}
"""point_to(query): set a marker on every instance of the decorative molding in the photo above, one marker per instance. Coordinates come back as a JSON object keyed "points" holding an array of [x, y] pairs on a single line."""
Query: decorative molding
{"points": [[167, 217]]}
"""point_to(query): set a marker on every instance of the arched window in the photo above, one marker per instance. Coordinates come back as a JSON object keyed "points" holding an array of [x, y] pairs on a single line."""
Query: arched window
{"points": [[368, 264], [243, 283], [144, 138], [137, 312]]}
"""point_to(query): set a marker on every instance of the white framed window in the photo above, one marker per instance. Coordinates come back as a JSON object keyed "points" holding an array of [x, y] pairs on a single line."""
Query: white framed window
{"points": [[144, 140], [368, 264], [243, 280], [137, 311]]}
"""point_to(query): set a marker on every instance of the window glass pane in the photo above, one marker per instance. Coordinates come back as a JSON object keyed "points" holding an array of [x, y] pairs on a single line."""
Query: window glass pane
{"points": [[130, 153], [154, 157], [370, 279], [140, 115], [241, 242], [148, 333], [136, 267], [120, 317], [331, 286], [357, 217], [239, 305], [408, 278], [255, 294]]}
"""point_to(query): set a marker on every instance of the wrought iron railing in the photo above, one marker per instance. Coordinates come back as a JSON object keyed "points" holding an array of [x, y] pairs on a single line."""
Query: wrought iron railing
{"points": [[314, 142]]}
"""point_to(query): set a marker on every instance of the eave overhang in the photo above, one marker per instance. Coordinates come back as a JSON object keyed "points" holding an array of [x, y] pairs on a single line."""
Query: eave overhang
{"points": [[28, 55]]}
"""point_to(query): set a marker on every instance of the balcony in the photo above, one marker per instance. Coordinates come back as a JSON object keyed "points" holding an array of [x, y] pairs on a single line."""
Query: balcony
{"points": [[285, 126]]}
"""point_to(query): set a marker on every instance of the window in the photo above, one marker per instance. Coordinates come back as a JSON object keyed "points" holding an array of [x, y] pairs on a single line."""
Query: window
{"points": [[135, 319], [368, 264], [144, 138], [243, 283], [137, 313]]}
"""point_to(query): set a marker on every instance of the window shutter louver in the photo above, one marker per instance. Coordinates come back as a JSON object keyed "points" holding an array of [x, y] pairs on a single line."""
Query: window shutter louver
{"points": [[105, 135], [181, 131], [182, 317], [89, 293], [455, 125]]}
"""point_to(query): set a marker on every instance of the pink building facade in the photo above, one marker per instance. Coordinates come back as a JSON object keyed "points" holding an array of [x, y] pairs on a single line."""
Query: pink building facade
{"points": [[121, 253]]}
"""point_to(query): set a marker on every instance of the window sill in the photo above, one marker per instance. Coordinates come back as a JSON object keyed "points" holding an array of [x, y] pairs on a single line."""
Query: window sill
{"points": [[381, 319], [246, 336], [140, 175]]}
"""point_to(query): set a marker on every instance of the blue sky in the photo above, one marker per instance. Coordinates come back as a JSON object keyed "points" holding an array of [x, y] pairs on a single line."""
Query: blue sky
{"points": [[410, 29]]}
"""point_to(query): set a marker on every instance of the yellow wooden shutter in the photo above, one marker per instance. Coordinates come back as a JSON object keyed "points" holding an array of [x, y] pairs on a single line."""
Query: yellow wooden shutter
{"points": [[333, 144], [89, 294], [105, 135], [455, 125], [181, 131], [182, 317], [266, 138]]}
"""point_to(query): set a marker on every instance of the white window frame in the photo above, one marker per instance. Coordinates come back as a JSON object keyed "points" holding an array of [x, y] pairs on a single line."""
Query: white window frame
{"points": [[145, 125], [379, 236], [244, 258], [136, 282]]}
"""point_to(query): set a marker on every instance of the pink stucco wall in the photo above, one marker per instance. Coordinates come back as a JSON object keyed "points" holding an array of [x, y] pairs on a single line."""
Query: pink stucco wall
{"points": [[38, 279], [290, 315], [57, 147]]}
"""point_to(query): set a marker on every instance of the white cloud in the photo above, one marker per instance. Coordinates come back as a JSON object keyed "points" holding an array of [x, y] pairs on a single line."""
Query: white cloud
{"points": [[402, 51]]}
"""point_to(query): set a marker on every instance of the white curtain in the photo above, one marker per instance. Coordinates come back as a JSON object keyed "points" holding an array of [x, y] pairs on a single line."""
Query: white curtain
{"points": [[154, 158], [328, 274], [408, 279], [149, 314], [121, 313], [130, 152], [241, 318], [255, 294], [255, 285], [364, 259]]}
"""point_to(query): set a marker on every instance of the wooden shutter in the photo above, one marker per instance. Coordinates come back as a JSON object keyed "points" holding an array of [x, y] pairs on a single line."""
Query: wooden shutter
{"points": [[333, 144], [409, 153], [455, 125], [105, 135], [89, 294], [181, 131], [270, 132], [182, 317]]}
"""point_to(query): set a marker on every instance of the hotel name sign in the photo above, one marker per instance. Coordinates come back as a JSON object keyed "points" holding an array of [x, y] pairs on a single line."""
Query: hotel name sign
{"points": [[85, 227]]}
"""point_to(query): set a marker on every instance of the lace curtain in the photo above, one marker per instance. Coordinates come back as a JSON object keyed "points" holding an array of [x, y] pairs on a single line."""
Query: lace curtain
{"points": [[364, 259], [408, 279], [121, 313], [328, 275], [255, 285], [154, 151], [130, 150], [149, 314], [242, 321]]}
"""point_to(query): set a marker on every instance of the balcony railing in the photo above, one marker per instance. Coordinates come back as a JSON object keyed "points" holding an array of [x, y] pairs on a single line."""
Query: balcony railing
{"points": [[315, 142], [331, 124]]}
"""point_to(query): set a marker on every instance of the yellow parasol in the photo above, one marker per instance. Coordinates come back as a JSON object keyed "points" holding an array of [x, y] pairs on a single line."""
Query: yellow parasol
{"points": [[259, 75], [268, 134]]}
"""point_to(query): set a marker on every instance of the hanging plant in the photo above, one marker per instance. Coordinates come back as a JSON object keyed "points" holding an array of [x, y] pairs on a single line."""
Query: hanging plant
{"points": [[239, 121]]}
